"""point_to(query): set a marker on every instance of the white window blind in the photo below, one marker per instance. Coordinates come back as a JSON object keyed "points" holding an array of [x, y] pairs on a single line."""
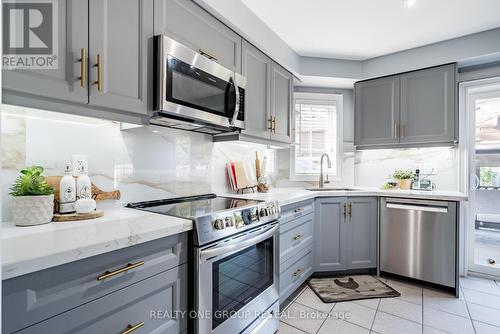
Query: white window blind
{"points": [[315, 133]]}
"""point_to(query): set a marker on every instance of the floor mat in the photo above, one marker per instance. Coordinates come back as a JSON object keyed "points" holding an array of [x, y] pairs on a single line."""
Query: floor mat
{"points": [[350, 287]]}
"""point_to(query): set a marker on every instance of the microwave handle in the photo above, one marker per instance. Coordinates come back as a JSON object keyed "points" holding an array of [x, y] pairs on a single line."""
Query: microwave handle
{"points": [[237, 102]]}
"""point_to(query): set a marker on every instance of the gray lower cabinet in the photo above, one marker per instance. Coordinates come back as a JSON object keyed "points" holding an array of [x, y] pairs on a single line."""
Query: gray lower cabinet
{"points": [[329, 246], [148, 305], [63, 82], [345, 233], [376, 115], [189, 24], [428, 105], [256, 67], [35, 297], [361, 234], [281, 103], [411, 109], [121, 35], [296, 246]]}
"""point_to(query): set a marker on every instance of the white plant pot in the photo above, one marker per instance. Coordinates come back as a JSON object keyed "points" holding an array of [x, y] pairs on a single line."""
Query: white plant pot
{"points": [[32, 210]]}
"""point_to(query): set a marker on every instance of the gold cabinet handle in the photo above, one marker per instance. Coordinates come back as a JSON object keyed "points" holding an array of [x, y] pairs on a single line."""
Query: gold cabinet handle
{"points": [[297, 272], [207, 54], [274, 124], [345, 211], [350, 210], [99, 73], [298, 237], [298, 210], [83, 66], [128, 267], [270, 120], [131, 328]]}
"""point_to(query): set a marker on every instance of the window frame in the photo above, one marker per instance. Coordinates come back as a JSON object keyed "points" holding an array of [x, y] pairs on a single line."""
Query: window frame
{"points": [[319, 98]]}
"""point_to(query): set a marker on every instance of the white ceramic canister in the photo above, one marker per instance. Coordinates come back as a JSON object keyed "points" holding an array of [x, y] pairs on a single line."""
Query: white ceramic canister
{"points": [[67, 192], [83, 185]]}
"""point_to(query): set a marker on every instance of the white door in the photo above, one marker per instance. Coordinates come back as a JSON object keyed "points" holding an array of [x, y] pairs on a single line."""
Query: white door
{"points": [[482, 103]]}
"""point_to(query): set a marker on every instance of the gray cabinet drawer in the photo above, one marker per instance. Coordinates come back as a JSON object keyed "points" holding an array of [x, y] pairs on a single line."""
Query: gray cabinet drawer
{"points": [[151, 301], [295, 235], [34, 297], [295, 271], [296, 210]]}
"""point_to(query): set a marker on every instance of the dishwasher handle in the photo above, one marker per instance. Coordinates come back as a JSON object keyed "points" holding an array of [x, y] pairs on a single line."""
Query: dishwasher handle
{"points": [[439, 209]]}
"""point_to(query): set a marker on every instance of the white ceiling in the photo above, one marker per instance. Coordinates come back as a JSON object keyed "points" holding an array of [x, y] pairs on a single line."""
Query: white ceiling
{"points": [[363, 29]]}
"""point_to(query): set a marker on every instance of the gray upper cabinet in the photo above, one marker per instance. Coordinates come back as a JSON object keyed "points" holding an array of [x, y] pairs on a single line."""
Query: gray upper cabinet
{"points": [[256, 67], [376, 116], [328, 229], [281, 103], [345, 233], [361, 235], [428, 105], [119, 34], [189, 24], [410, 109], [62, 83]]}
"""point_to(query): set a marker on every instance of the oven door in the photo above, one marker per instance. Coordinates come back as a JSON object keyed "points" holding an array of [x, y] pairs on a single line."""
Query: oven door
{"points": [[196, 88], [237, 281]]}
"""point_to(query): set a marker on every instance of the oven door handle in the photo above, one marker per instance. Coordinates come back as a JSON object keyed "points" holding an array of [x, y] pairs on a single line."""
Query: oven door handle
{"points": [[236, 102], [238, 245]]}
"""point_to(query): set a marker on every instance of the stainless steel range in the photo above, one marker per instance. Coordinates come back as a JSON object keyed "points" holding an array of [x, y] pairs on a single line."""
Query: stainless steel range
{"points": [[236, 261]]}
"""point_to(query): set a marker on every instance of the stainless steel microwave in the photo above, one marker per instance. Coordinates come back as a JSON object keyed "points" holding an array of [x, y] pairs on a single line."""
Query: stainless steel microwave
{"points": [[194, 92]]}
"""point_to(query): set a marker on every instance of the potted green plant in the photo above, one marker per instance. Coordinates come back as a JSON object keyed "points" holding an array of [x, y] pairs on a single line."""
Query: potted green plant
{"points": [[404, 178], [33, 202]]}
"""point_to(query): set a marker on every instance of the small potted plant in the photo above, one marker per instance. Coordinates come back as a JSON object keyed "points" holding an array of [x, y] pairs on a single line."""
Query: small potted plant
{"points": [[33, 202], [404, 178]]}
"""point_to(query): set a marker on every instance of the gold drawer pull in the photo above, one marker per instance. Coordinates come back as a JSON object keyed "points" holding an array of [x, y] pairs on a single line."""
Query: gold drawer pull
{"points": [[274, 124], [83, 66], [270, 120], [98, 82], [207, 54], [298, 210], [298, 272], [128, 267], [298, 237], [131, 328]]}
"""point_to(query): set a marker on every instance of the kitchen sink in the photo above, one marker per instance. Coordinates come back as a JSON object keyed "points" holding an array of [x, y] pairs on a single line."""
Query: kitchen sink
{"points": [[331, 189]]}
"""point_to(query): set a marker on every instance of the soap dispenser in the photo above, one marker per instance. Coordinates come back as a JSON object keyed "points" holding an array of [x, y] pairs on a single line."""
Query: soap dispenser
{"points": [[83, 185], [67, 192]]}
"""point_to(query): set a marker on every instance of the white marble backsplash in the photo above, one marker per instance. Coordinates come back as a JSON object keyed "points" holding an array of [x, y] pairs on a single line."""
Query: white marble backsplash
{"points": [[144, 163], [372, 168]]}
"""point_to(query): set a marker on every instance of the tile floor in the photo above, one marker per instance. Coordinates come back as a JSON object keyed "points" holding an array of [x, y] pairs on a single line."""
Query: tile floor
{"points": [[418, 310]]}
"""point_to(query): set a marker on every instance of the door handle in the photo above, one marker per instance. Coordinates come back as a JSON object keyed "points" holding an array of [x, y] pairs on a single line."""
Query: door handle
{"points": [[298, 237], [274, 124], [207, 54], [128, 267], [83, 66], [132, 328], [396, 130], [439, 209], [270, 120], [350, 211], [98, 65], [345, 212]]}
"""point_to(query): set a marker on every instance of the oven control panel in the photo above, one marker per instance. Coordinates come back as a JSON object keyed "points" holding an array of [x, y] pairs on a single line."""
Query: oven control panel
{"points": [[236, 219]]}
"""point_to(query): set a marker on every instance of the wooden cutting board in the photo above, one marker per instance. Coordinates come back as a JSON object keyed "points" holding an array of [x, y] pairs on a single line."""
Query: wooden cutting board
{"points": [[71, 217]]}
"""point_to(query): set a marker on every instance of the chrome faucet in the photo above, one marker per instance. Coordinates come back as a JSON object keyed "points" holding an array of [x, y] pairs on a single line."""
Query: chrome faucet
{"points": [[321, 181]]}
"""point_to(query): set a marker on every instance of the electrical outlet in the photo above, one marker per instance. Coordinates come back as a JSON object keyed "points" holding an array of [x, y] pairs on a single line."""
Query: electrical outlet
{"points": [[429, 168], [79, 162]]}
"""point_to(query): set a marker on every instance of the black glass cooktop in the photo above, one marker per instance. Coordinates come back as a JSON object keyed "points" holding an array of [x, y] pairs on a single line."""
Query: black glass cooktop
{"points": [[191, 206]]}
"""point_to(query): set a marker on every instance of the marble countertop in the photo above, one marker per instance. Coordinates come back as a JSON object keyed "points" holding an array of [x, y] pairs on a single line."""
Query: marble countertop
{"points": [[287, 196], [29, 249]]}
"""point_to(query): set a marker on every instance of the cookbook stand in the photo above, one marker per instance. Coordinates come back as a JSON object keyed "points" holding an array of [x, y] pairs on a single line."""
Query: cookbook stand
{"points": [[246, 188]]}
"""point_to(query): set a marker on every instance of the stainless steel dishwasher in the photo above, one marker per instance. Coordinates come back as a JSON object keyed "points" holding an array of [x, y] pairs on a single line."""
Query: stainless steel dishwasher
{"points": [[418, 239]]}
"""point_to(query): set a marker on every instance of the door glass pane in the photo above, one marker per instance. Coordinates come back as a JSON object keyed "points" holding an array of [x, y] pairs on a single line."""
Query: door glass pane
{"points": [[487, 194], [239, 278], [192, 87]]}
